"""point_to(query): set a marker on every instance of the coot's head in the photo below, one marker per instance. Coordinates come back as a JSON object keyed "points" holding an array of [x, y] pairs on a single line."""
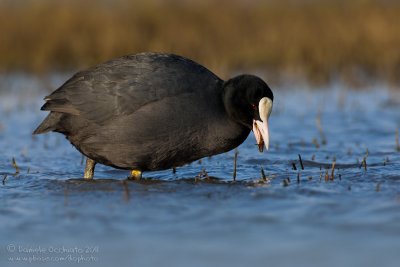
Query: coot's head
{"points": [[248, 101]]}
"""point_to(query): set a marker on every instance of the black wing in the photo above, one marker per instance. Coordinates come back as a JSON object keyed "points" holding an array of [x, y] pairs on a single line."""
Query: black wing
{"points": [[124, 85]]}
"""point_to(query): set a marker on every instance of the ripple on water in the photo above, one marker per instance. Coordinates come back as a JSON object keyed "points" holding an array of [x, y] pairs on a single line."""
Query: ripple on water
{"points": [[291, 212]]}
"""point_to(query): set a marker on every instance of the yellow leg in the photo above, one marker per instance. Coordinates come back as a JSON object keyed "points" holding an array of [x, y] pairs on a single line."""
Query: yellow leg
{"points": [[135, 175], [89, 169]]}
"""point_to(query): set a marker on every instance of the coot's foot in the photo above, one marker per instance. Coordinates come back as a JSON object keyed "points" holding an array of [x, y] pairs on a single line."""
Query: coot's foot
{"points": [[135, 175], [89, 169]]}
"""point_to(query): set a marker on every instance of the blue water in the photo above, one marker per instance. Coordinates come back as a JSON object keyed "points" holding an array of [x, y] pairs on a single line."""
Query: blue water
{"points": [[48, 214]]}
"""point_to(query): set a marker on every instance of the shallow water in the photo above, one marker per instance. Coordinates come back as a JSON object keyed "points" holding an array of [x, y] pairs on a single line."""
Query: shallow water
{"points": [[292, 217]]}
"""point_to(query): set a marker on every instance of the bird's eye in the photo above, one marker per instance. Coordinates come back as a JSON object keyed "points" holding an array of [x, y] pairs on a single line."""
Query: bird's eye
{"points": [[253, 106]]}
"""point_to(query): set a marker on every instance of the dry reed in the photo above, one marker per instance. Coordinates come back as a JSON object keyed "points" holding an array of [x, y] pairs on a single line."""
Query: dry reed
{"points": [[313, 39]]}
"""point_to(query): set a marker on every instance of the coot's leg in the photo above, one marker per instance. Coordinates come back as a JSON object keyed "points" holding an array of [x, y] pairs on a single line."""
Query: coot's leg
{"points": [[135, 175], [89, 169]]}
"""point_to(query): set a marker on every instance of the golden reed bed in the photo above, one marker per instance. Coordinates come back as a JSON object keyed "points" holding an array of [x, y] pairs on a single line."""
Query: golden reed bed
{"points": [[315, 39]]}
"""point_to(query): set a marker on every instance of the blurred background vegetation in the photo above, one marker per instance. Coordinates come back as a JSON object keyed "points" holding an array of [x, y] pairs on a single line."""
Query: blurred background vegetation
{"points": [[319, 41]]}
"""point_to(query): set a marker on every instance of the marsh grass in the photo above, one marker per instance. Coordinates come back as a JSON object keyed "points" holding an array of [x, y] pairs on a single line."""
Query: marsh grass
{"points": [[235, 164], [354, 40], [301, 162], [294, 166], [333, 170], [15, 165], [364, 163], [263, 176]]}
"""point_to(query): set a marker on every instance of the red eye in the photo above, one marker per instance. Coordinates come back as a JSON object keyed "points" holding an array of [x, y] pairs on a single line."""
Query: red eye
{"points": [[253, 106]]}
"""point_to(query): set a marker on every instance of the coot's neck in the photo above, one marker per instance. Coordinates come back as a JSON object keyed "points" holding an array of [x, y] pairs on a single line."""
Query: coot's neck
{"points": [[227, 135], [233, 99]]}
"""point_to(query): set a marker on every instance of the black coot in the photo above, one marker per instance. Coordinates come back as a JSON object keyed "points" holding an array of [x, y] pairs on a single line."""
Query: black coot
{"points": [[154, 111]]}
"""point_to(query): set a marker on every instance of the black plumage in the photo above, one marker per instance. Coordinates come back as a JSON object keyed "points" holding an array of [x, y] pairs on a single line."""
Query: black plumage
{"points": [[153, 111]]}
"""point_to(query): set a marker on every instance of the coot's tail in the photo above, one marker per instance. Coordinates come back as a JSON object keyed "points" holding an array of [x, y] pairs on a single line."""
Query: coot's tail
{"points": [[50, 123]]}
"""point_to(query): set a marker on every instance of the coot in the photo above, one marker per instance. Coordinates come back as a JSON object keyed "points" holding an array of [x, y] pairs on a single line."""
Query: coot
{"points": [[154, 111]]}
